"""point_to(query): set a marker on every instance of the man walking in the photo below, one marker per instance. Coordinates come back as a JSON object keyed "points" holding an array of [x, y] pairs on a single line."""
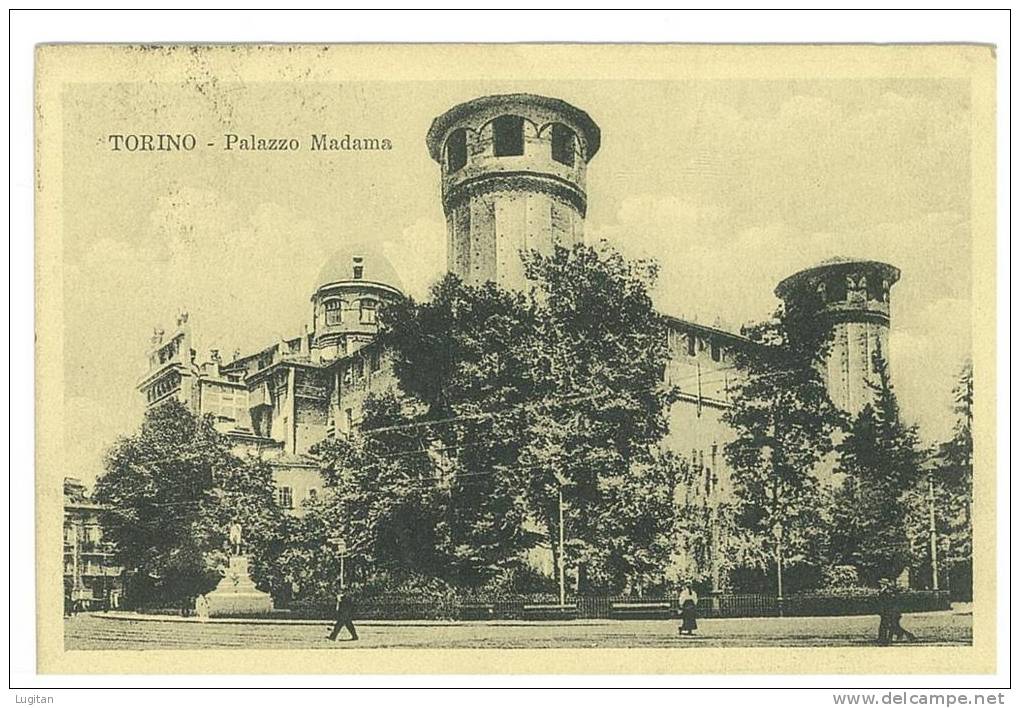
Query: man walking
{"points": [[890, 615], [344, 616]]}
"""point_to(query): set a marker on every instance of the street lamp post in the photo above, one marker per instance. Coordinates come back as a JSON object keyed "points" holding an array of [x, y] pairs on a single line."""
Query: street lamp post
{"points": [[563, 585], [932, 537], [561, 482], [778, 531]]}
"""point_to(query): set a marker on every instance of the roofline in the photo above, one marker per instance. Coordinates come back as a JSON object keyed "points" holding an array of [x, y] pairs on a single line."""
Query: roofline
{"points": [[374, 283], [737, 338], [251, 436], [443, 123], [154, 374], [788, 284], [284, 363], [304, 464]]}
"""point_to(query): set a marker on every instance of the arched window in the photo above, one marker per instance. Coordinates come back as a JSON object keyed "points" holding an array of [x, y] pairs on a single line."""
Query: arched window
{"points": [[563, 144], [368, 311], [508, 136], [456, 150], [334, 312]]}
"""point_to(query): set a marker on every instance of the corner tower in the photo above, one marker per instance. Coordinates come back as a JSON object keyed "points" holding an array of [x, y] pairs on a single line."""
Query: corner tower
{"points": [[513, 179], [354, 285], [850, 298]]}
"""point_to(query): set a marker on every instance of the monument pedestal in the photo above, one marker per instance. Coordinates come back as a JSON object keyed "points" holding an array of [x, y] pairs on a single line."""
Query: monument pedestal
{"points": [[236, 594]]}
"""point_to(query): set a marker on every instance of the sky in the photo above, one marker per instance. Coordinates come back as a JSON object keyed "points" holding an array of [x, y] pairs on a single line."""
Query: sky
{"points": [[730, 185]]}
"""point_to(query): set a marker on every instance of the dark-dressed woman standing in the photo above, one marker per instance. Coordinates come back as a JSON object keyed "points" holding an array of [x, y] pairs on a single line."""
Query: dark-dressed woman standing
{"points": [[688, 611]]}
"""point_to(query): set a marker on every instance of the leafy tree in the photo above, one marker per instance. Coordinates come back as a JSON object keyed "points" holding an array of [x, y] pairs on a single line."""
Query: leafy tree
{"points": [[638, 525], [955, 476], [783, 421], [956, 464], [458, 355], [708, 545], [595, 356], [173, 489], [528, 397], [384, 499], [880, 459], [951, 494]]}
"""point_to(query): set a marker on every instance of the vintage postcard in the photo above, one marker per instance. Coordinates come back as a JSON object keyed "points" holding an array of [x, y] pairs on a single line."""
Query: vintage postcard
{"points": [[515, 359]]}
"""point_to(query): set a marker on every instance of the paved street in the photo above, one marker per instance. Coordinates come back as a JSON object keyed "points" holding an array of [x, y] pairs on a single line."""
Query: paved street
{"points": [[107, 632]]}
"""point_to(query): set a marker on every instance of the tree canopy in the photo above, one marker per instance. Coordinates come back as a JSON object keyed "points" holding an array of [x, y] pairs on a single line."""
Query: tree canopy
{"points": [[783, 422], [881, 459], [510, 399], [171, 491]]}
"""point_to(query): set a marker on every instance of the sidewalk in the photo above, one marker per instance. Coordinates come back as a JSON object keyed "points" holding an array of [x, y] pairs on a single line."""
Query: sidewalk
{"points": [[137, 617]]}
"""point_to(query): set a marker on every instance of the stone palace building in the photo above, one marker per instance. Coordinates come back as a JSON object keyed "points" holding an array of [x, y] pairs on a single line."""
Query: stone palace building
{"points": [[512, 169]]}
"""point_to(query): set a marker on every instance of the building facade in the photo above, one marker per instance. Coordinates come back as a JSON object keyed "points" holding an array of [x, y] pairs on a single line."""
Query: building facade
{"points": [[512, 170], [278, 402], [91, 577]]}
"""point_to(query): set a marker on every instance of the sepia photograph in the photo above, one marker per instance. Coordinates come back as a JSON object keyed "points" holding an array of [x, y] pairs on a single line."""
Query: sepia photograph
{"points": [[393, 347]]}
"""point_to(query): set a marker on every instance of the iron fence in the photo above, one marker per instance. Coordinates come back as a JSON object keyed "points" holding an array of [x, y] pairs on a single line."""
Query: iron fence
{"points": [[714, 605]]}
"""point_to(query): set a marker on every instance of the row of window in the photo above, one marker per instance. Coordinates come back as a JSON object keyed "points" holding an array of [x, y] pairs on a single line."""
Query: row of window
{"points": [[355, 371], [836, 288], [169, 351], [508, 140], [91, 534], [163, 387], [285, 496], [367, 312], [692, 348]]}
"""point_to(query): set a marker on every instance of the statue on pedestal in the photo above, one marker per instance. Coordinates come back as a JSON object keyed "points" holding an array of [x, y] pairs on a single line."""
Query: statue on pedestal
{"points": [[236, 594], [235, 538]]}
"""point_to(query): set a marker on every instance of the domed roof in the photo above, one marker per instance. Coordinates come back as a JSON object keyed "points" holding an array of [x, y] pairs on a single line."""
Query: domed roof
{"points": [[374, 267]]}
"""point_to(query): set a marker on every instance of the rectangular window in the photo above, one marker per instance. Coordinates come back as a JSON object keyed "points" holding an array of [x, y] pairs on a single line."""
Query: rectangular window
{"points": [[508, 136], [349, 421], [373, 361], [285, 497], [692, 345], [716, 352], [563, 144], [368, 308], [334, 312], [313, 494]]}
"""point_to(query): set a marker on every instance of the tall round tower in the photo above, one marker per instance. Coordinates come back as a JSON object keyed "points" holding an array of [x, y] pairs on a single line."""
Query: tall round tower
{"points": [[852, 299], [513, 179]]}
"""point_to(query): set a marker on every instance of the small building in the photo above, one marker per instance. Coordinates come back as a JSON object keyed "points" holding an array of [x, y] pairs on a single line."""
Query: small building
{"points": [[92, 579]]}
